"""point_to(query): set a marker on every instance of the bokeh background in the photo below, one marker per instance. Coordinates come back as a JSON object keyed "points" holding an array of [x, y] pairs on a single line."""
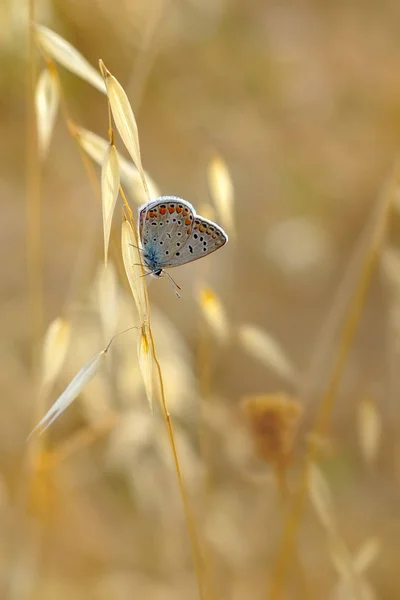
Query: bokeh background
{"points": [[302, 102]]}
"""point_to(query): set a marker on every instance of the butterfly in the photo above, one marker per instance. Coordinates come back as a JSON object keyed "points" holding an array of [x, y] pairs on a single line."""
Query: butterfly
{"points": [[172, 234]]}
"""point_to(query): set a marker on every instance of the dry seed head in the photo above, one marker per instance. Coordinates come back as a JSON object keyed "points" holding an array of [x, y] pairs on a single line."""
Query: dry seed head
{"points": [[63, 52], [46, 104], [71, 392], [146, 364], [266, 349], [214, 313], [134, 270], [321, 497], [273, 421], [96, 147], [55, 347], [124, 119], [369, 429], [110, 178], [221, 190]]}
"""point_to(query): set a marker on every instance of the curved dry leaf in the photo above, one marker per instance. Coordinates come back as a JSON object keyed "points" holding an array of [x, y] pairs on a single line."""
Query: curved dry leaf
{"points": [[124, 120], [266, 349], [110, 179], [146, 365], [55, 347], [46, 103], [96, 147], [221, 191], [214, 313], [321, 497], [369, 429], [71, 392], [64, 53], [107, 297], [134, 270]]}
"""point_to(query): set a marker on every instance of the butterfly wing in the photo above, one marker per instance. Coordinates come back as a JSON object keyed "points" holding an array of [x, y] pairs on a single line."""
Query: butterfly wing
{"points": [[165, 225], [205, 237]]}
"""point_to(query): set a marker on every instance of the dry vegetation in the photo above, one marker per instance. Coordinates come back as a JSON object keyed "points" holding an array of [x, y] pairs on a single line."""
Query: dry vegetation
{"points": [[240, 442]]}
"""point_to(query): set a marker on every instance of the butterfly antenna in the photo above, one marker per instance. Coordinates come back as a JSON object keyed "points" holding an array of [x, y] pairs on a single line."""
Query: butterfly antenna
{"points": [[174, 283]]}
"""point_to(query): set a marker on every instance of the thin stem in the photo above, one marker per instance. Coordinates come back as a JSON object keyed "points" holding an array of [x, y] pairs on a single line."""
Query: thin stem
{"points": [[198, 561], [321, 423], [33, 202]]}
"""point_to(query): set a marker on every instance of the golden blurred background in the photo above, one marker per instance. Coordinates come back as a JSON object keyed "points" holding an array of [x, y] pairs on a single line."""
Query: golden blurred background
{"points": [[300, 102]]}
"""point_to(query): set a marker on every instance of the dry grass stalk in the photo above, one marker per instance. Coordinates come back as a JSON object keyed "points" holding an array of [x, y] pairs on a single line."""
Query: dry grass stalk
{"points": [[266, 349], [66, 55], [146, 364], [222, 192], [322, 501], [110, 181], [377, 241], [96, 146], [46, 102], [214, 313]]}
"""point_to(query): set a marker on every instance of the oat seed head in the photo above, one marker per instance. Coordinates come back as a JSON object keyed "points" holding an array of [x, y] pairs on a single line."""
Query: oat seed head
{"points": [[46, 104], [265, 348], [124, 120], [214, 313], [55, 348], [96, 146], [71, 392], [222, 193], [64, 53], [134, 270], [110, 181]]}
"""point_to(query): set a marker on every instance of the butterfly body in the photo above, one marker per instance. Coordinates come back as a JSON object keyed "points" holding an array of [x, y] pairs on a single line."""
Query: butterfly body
{"points": [[172, 234]]}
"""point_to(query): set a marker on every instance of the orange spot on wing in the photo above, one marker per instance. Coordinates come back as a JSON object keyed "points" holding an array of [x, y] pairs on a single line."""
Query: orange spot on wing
{"points": [[202, 228], [185, 212], [187, 222], [178, 209], [163, 211], [189, 230], [171, 209]]}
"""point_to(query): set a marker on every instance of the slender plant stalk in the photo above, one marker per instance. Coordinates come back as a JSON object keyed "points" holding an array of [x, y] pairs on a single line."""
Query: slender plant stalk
{"points": [[292, 523], [33, 202]]}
